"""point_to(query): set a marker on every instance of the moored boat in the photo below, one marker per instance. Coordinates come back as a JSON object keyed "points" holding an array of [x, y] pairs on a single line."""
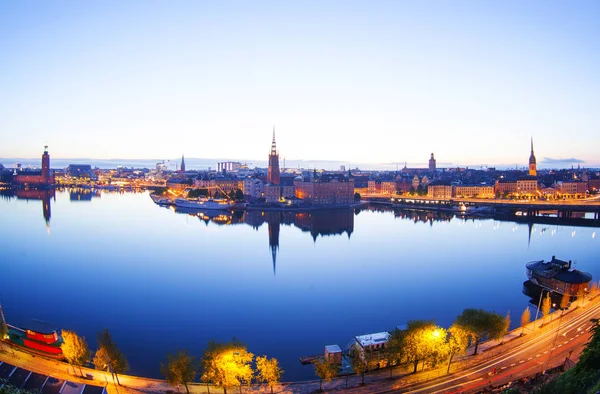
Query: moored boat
{"points": [[558, 276], [208, 204]]}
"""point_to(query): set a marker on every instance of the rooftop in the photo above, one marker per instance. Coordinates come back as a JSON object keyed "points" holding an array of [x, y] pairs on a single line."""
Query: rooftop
{"points": [[372, 339]]}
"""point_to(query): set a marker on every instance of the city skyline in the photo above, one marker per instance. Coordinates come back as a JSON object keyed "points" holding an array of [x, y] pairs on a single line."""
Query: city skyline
{"points": [[377, 83]]}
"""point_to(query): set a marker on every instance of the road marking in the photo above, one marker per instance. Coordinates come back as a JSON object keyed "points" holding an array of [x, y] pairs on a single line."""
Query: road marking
{"points": [[529, 358], [503, 367], [571, 339], [512, 365], [566, 342], [553, 348], [545, 352], [559, 345], [451, 387], [521, 362], [577, 335]]}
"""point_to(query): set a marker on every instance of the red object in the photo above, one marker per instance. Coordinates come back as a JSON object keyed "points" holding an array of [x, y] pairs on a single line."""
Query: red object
{"points": [[45, 338], [42, 347]]}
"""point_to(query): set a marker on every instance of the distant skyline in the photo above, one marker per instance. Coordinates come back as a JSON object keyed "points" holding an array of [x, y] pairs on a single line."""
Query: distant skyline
{"points": [[342, 81]]}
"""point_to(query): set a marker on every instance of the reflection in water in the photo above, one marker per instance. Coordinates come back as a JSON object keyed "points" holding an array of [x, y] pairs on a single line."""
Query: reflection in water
{"points": [[317, 223], [44, 195], [80, 194]]}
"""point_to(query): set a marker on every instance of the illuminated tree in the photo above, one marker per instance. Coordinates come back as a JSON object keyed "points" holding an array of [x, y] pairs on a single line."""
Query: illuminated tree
{"points": [[227, 365], [506, 324], [581, 295], [3, 333], [594, 289], [75, 349], [458, 341], [564, 301], [268, 371], [180, 369], [424, 341], [546, 305], [481, 324], [525, 319], [109, 357], [325, 371]]}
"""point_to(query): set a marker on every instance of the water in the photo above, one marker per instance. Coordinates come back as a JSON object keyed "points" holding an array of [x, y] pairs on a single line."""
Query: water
{"points": [[284, 284]]}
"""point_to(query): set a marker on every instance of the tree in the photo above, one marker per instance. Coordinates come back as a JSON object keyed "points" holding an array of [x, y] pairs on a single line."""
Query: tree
{"points": [[357, 196], [3, 331], [359, 362], [75, 349], [394, 349], [481, 324], [564, 301], [458, 341], [325, 371], [180, 369], [424, 341], [546, 305], [227, 365], [412, 191], [506, 324], [525, 319], [109, 357], [239, 195], [581, 295], [268, 371]]}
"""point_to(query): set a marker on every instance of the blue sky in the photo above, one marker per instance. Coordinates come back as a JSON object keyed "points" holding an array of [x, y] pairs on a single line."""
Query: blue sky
{"points": [[363, 82]]}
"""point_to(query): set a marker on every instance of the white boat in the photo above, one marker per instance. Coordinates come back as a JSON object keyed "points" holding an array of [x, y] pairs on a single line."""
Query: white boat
{"points": [[203, 204]]}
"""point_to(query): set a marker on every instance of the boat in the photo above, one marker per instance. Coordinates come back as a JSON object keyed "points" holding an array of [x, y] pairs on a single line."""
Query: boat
{"points": [[208, 204], [558, 276], [38, 337]]}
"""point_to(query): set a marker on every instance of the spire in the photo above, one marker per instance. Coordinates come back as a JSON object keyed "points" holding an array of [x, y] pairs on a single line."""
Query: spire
{"points": [[182, 163], [273, 145], [532, 146]]}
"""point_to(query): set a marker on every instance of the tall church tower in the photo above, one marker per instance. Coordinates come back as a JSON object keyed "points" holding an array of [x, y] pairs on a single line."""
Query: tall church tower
{"points": [[273, 176], [532, 162], [182, 164], [432, 163], [46, 166]]}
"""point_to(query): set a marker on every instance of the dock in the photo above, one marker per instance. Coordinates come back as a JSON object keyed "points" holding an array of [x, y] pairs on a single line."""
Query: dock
{"points": [[309, 359]]}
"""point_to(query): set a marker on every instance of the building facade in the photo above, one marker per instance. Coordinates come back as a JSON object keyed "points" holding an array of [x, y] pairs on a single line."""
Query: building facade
{"points": [[442, 192], [37, 178], [326, 189], [474, 191]]}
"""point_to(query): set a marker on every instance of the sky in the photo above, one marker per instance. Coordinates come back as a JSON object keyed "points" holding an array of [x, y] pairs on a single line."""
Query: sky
{"points": [[353, 81]]}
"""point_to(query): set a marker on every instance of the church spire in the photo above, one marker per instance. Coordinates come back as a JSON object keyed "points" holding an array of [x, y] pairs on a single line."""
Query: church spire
{"points": [[182, 163], [531, 146], [273, 145]]}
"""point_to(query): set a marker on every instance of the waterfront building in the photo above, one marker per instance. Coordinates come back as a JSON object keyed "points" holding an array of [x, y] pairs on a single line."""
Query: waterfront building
{"points": [[441, 192], [505, 187], [333, 354], [474, 191], [432, 163], [37, 178], [527, 185], [532, 162], [325, 189], [574, 189], [226, 184], [594, 184], [253, 187], [272, 192]]}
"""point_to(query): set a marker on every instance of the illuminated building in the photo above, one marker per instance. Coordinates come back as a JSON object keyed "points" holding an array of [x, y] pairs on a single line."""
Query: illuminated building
{"points": [[37, 178], [439, 191], [326, 189], [532, 162], [476, 191], [571, 188]]}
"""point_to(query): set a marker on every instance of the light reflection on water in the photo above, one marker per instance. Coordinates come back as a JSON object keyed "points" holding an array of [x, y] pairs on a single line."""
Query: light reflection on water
{"points": [[286, 284]]}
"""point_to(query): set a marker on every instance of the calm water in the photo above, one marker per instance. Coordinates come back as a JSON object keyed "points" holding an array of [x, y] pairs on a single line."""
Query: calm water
{"points": [[284, 284]]}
